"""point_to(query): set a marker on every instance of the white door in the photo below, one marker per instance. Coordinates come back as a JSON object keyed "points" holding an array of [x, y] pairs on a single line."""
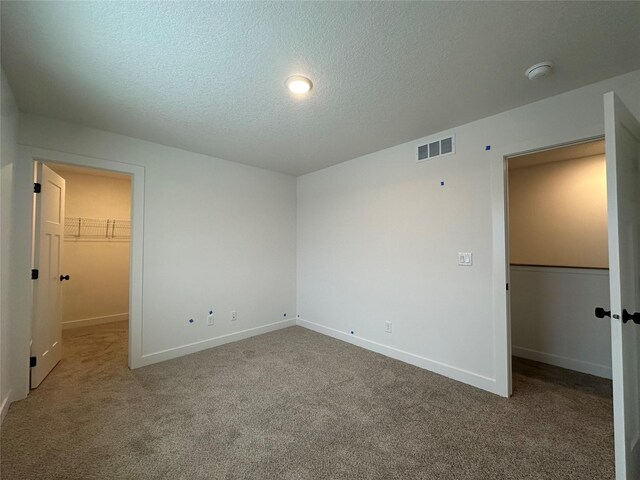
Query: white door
{"points": [[46, 333], [622, 145]]}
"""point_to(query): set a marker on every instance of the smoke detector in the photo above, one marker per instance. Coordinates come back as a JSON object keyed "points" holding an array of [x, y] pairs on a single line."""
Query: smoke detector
{"points": [[539, 70]]}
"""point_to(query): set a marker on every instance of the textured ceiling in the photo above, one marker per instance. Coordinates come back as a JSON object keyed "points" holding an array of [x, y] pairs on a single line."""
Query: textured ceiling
{"points": [[209, 77]]}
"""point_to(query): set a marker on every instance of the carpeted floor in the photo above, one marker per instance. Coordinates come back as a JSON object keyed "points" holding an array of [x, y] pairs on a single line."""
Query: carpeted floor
{"points": [[295, 404]]}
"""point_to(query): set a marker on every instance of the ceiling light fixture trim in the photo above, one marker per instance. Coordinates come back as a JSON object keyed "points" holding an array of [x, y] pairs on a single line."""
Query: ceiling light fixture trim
{"points": [[298, 84]]}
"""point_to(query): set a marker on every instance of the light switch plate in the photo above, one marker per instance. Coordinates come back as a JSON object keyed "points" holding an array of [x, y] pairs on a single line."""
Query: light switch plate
{"points": [[465, 259]]}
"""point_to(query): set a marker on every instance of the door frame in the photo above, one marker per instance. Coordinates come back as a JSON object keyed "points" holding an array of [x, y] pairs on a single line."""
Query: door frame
{"points": [[500, 242], [25, 176], [507, 264]]}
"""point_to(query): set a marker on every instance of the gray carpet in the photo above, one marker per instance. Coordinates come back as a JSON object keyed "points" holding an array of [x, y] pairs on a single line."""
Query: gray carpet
{"points": [[294, 404]]}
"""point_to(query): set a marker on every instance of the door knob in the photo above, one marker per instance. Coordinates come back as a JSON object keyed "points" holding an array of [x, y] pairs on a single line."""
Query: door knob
{"points": [[626, 316], [64, 277], [601, 312]]}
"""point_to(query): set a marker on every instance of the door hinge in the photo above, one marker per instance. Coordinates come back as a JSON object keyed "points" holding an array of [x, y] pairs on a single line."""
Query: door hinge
{"points": [[33, 361], [37, 188], [507, 286], [34, 274]]}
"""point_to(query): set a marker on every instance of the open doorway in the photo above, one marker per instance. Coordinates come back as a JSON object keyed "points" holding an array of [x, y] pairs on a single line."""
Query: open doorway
{"points": [[558, 257], [87, 309], [558, 274]]}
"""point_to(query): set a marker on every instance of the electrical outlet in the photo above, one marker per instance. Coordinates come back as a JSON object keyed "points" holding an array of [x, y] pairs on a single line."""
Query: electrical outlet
{"points": [[210, 318], [387, 327], [234, 315]]}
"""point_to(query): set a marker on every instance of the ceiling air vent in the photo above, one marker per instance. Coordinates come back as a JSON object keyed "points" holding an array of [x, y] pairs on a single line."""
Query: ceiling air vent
{"points": [[437, 148]]}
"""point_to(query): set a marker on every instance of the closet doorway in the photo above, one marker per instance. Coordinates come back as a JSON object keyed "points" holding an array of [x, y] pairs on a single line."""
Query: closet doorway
{"points": [[82, 247], [558, 255]]}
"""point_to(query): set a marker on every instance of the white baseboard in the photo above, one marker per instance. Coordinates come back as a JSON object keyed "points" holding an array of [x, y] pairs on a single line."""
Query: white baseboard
{"points": [[464, 376], [176, 352], [86, 322], [4, 407], [564, 362]]}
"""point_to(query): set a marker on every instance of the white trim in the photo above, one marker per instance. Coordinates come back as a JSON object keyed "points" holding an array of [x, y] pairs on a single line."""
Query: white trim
{"points": [[564, 362], [449, 371], [86, 322], [161, 356], [4, 408], [500, 275]]}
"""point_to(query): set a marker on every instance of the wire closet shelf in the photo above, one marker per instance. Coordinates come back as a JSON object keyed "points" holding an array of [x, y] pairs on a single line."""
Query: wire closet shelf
{"points": [[81, 228]]}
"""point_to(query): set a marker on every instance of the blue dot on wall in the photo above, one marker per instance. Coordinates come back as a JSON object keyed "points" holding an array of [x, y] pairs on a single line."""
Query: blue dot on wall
{"points": [[488, 147], [442, 183]]}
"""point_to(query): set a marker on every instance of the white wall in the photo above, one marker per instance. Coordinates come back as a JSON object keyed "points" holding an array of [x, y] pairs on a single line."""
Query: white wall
{"points": [[558, 213], [552, 317], [217, 235], [8, 156], [98, 291], [378, 239]]}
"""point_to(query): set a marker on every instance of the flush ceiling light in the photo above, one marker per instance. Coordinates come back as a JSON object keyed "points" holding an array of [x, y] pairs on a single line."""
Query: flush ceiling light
{"points": [[539, 70], [298, 84]]}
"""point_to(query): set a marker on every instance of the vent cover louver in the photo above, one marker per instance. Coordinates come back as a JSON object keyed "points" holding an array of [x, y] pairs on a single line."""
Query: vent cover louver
{"points": [[438, 148]]}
